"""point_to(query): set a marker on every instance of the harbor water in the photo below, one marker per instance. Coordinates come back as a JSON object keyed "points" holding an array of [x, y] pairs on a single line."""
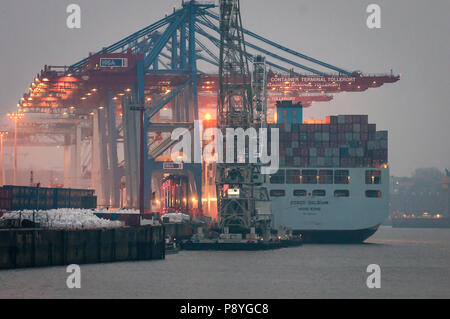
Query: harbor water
{"points": [[415, 263]]}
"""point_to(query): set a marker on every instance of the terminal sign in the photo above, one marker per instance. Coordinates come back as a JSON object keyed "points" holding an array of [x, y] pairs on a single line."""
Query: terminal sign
{"points": [[169, 165], [113, 62]]}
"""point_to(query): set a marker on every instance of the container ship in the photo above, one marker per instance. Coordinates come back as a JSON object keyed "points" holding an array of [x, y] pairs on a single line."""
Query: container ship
{"points": [[333, 182]]}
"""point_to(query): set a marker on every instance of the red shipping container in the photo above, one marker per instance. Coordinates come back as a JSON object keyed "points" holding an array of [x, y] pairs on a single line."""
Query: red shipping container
{"points": [[289, 161], [364, 137], [364, 128], [304, 152], [320, 152], [348, 119], [348, 128], [364, 119]]}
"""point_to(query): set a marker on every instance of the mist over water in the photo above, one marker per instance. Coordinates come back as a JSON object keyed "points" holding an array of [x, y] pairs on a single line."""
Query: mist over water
{"points": [[414, 264]]}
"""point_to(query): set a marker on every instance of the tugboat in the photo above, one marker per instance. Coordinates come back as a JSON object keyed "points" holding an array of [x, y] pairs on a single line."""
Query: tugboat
{"points": [[227, 241]]}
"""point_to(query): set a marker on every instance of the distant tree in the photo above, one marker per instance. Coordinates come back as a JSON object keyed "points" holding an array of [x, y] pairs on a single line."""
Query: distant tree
{"points": [[428, 174]]}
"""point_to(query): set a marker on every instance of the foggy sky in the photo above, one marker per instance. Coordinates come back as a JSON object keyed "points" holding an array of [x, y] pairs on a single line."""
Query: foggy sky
{"points": [[413, 41]]}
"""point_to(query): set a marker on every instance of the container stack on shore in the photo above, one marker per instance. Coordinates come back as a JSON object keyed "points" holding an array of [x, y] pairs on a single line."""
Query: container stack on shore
{"points": [[23, 197], [339, 141]]}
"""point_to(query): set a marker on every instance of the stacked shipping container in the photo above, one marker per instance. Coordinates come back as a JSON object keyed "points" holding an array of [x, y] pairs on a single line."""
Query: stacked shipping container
{"points": [[23, 197], [343, 141]]}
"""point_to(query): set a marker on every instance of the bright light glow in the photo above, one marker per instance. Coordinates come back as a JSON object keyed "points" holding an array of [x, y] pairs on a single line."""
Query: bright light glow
{"points": [[208, 117], [233, 192], [15, 116]]}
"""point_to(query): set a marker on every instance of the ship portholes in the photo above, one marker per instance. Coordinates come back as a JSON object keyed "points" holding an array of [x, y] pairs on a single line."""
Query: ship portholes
{"points": [[373, 194], [342, 193]]}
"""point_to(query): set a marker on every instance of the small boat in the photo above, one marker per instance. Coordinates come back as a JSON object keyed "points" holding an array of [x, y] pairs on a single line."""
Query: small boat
{"points": [[171, 246]]}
